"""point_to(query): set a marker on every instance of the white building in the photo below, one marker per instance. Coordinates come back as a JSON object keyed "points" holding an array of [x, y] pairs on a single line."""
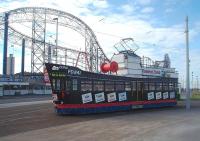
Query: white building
{"points": [[10, 65]]}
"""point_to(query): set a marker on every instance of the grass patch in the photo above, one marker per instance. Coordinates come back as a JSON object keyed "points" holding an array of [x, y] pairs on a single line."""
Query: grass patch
{"points": [[195, 96]]}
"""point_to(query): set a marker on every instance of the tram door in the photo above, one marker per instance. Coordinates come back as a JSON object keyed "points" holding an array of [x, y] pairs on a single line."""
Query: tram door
{"points": [[65, 89], [140, 91]]}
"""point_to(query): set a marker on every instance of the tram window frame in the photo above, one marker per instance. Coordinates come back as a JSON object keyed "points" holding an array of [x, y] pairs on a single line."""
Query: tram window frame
{"points": [[86, 85], [146, 86], [74, 84], [152, 86], [98, 85], [54, 84], [62, 84], [134, 86], [159, 86], [109, 86], [171, 86], [175, 86], [119, 86], [165, 86], [68, 85], [139, 85], [127, 86]]}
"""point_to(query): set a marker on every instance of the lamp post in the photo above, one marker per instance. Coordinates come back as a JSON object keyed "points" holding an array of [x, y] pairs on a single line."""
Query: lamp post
{"points": [[56, 19]]}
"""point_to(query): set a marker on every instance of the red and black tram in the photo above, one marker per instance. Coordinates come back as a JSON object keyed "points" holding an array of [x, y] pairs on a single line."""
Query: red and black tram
{"points": [[80, 92]]}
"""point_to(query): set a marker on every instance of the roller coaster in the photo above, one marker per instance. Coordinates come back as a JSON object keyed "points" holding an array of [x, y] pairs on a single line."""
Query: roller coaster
{"points": [[43, 52]]}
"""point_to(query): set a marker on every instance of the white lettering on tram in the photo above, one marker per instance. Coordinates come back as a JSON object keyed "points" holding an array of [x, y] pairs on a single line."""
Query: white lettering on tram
{"points": [[165, 95], [158, 95], [111, 97], [86, 98], [74, 72], [122, 96], [55, 68], [150, 95], [99, 97]]}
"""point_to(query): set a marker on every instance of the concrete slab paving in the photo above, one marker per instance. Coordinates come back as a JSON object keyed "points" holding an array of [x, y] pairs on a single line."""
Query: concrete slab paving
{"points": [[157, 125], [8, 105]]}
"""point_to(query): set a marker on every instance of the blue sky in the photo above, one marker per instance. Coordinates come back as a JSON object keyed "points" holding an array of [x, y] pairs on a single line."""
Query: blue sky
{"points": [[156, 25]]}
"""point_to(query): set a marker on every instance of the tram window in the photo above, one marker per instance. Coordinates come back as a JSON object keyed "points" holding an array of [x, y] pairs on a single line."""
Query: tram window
{"points": [[151, 86], [175, 86], [128, 86], [62, 85], [74, 85], [109, 86], [119, 86], [98, 86], [68, 85], [171, 86], [146, 87], [159, 86], [86, 85], [138, 86], [54, 83], [134, 86], [165, 86], [58, 84]]}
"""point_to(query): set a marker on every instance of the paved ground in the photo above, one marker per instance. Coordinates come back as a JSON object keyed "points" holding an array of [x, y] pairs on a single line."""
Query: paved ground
{"points": [[24, 98], [39, 122]]}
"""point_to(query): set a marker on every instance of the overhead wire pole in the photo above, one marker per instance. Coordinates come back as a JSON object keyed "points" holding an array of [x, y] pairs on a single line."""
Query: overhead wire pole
{"points": [[5, 48], [56, 39], [197, 83], [192, 87], [187, 67]]}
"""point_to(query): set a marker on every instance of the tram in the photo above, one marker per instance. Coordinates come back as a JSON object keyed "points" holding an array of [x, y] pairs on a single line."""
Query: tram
{"points": [[135, 85]]}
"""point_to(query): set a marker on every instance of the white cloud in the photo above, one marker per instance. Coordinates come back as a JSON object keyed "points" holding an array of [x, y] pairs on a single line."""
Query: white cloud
{"points": [[147, 10], [127, 8], [100, 3]]}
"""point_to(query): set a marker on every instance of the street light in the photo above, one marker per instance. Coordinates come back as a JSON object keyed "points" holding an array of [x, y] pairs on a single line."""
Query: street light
{"points": [[56, 19]]}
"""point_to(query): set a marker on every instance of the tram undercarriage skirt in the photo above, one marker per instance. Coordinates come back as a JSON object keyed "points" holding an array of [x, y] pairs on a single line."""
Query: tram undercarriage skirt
{"points": [[65, 111]]}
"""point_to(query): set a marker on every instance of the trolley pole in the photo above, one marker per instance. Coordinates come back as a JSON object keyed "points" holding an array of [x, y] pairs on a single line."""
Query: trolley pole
{"points": [[187, 67]]}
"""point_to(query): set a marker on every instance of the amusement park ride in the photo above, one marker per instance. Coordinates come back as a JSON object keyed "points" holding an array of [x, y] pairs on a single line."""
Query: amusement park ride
{"points": [[41, 50]]}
